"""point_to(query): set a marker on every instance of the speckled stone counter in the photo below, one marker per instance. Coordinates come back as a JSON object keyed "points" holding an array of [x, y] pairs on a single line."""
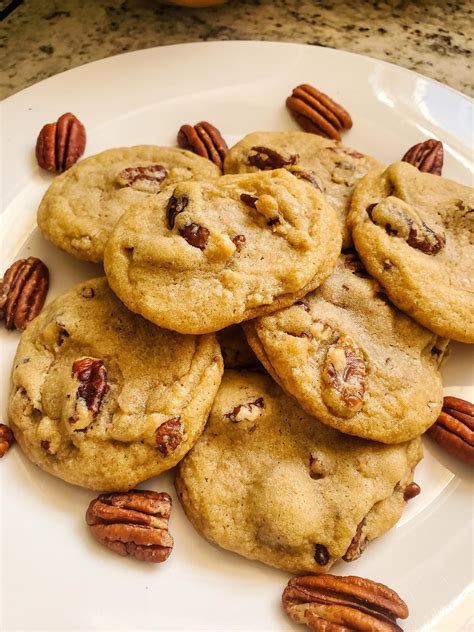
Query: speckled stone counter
{"points": [[40, 39]]}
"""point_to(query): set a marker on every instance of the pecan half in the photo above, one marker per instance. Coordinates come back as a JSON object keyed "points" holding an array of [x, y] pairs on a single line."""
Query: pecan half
{"points": [[61, 144], [246, 412], [357, 545], [169, 435], [318, 113], [147, 179], [328, 603], [414, 231], [265, 158], [23, 292], [204, 140], [133, 523], [195, 235], [92, 376], [175, 206], [6, 439], [344, 377], [426, 156], [454, 428]]}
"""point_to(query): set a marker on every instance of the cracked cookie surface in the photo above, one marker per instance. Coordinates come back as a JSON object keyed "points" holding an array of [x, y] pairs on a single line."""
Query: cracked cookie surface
{"points": [[328, 164], [81, 206], [415, 234], [200, 256], [104, 399], [268, 482], [352, 359]]}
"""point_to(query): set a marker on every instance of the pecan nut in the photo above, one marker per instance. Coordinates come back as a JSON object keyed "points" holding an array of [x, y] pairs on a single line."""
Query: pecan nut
{"points": [[61, 144], [147, 179], [326, 603], [344, 377], [6, 439], [169, 435], [426, 156], [454, 428], [174, 207], [23, 292], [133, 523], [357, 545], [307, 176], [246, 412], [195, 235], [92, 376], [318, 113], [204, 140], [265, 159], [413, 230]]}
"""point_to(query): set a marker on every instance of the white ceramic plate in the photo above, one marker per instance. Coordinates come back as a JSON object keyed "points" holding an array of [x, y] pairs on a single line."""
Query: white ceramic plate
{"points": [[54, 575]]}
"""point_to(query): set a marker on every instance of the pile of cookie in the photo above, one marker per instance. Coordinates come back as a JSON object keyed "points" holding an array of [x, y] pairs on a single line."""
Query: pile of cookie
{"points": [[275, 331]]}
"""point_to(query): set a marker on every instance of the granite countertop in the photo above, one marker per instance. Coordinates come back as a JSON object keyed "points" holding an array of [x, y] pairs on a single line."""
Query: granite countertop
{"points": [[40, 39]]}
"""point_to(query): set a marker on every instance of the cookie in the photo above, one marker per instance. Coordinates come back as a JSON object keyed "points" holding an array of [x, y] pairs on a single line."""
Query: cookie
{"points": [[236, 351], [327, 164], [352, 359], [415, 234], [201, 256], [270, 483], [104, 399], [81, 206]]}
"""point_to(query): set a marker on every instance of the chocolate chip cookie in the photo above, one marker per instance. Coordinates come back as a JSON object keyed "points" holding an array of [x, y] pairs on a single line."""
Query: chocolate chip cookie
{"points": [[201, 256], [331, 166], [270, 483], [415, 234], [352, 359], [81, 206], [104, 399]]}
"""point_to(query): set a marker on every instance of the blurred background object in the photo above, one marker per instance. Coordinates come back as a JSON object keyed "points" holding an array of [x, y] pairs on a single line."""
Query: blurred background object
{"points": [[40, 38]]}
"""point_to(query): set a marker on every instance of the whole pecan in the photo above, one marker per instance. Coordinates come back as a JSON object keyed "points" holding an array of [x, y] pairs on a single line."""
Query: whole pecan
{"points": [[133, 523], [195, 235], [61, 144], [454, 428], [92, 376], [23, 292], [204, 140], [265, 158], [413, 230], [426, 156], [6, 439], [344, 377], [147, 179], [326, 603], [318, 113], [169, 435]]}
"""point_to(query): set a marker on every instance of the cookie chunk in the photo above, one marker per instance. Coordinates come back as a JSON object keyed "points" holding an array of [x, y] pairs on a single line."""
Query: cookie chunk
{"points": [[324, 163], [204, 255], [104, 399], [352, 359], [267, 481], [81, 206], [415, 234]]}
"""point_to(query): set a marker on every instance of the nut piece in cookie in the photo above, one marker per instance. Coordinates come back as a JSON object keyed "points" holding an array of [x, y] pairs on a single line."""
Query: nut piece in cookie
{"points": [[327, 603], [271, 483], [133, 523]]}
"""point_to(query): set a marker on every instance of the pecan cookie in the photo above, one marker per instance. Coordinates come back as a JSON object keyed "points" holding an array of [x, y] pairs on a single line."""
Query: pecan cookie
{"points": [[267, 481], [104, 399], [324, 163], [415, 234], [200, 256], [80, 208], [352, 359]]}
